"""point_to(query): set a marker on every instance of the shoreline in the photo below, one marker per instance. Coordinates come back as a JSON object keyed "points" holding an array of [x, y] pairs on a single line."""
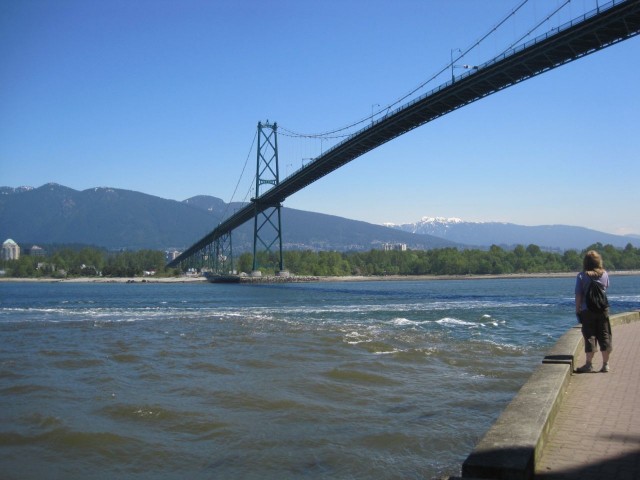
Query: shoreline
{"points": [[314, 279]]}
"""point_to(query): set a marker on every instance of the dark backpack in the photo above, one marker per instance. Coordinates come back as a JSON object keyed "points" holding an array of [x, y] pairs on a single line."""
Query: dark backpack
{"points": [[596, 297]]}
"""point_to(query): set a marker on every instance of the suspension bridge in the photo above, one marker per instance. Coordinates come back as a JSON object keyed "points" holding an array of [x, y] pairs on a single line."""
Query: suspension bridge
{"points": [[607, 25]]}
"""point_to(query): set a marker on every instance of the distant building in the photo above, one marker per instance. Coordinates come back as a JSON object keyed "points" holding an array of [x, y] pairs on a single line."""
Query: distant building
{"points": [[395, 246], [172, 255], [10, 250], [35, 251]]}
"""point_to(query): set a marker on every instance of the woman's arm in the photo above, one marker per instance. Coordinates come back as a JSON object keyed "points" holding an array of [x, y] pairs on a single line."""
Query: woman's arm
{"points": [[578, 302]]}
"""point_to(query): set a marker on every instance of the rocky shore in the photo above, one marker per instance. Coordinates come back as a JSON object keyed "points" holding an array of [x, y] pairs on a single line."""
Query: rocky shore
{"points": [[308, 278]]}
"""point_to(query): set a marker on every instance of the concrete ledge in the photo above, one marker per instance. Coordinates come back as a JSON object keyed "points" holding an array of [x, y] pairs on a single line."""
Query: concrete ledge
{"points": [[511, 447], [566, 348], [622, 318]]}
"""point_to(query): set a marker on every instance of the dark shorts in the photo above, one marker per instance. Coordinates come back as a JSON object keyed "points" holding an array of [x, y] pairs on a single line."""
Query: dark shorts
{"points": [[596, 331]]}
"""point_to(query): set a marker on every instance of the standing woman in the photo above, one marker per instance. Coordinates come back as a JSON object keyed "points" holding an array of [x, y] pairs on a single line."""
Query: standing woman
{"points": [[596, 328]]}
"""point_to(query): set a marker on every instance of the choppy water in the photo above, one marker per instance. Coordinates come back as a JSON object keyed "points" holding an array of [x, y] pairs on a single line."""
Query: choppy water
{"points": [[363, 380]]}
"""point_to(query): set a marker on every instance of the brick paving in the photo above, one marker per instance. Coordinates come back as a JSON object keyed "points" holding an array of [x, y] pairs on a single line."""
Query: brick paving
{"points": [[596, 434]]}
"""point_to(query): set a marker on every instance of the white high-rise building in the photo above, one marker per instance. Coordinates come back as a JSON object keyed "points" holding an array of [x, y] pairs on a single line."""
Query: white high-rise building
{"points": [[10, 250]]}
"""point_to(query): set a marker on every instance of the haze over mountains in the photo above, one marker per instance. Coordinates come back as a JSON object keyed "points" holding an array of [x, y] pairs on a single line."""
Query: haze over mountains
{"points": [[124, 219]]}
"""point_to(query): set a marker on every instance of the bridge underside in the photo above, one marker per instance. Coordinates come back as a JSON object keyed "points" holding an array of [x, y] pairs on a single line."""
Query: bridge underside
{"points": [[583, 36]]}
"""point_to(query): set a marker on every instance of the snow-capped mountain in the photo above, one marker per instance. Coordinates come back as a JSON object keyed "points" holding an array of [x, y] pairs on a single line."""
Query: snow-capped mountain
{"points": [[428, 225], [10, 190], [485, 234]]}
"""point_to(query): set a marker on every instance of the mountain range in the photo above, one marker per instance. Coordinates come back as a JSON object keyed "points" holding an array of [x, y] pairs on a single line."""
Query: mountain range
{"points": [[482, 234], [123, 219]]}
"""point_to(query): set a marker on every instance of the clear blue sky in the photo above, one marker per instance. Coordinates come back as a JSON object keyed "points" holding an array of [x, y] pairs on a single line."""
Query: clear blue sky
{"points": [[163, 97]]}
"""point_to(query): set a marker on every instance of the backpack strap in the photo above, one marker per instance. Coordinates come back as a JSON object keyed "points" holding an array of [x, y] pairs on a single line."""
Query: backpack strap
{"points": [[585, 286]]}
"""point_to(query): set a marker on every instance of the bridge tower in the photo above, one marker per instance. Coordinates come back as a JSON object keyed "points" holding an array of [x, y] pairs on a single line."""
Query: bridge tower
{"points": [[267, 230], [221, 255]]}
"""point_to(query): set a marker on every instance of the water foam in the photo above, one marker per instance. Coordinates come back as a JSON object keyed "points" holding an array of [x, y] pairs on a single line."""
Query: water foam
{"points": [[448, 321]]}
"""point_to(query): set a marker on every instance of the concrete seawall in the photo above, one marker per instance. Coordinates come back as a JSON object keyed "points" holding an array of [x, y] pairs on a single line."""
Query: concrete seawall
{"points": [[513, 445]]}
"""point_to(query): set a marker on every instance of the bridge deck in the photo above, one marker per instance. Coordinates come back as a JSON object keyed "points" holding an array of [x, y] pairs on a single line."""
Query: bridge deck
{"points": [[581, 37], [596, 433]]}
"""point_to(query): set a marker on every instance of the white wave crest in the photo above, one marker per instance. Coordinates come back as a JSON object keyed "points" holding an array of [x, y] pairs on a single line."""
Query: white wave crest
{"points": [[403, 322], [455, 322]]}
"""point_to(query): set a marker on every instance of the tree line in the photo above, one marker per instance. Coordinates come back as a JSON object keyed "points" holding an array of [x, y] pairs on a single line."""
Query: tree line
{"points": [[88, 262], [444, 261], [91, 261]]}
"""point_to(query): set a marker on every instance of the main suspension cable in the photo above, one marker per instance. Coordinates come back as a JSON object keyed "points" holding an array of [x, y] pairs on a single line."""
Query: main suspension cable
{"points": [[567, 2], [412, 92], [224, 214]]}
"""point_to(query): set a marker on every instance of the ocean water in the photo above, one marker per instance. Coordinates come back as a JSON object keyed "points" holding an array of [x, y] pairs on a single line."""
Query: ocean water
{"points": [[359, 380]]}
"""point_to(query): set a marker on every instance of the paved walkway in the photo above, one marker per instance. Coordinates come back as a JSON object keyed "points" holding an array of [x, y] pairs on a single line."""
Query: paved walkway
{"points": [[596, 434]]}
